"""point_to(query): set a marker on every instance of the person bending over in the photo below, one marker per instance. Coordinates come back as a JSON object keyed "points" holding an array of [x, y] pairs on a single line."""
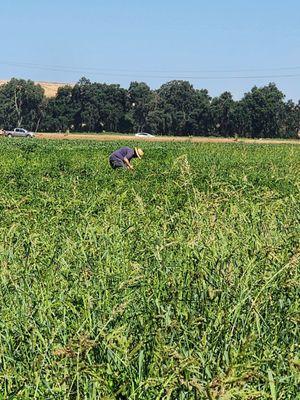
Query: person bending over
{"points": [[121, 158]]}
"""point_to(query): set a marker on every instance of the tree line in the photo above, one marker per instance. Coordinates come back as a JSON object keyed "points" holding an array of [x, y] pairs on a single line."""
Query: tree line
{"points": [[176, 108]]}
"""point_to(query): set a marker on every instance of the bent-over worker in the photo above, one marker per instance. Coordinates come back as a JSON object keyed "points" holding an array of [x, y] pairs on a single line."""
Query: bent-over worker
{"points": [[121, 158]]}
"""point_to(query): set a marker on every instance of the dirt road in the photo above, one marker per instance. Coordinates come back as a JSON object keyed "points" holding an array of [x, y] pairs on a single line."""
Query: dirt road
{"points": [[105, 137]]}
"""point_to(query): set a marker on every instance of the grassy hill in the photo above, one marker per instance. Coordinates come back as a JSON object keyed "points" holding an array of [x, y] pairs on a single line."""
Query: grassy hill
{"points": [[50, 88]]}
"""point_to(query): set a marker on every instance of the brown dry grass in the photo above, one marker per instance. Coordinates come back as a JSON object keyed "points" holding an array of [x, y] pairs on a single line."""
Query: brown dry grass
{"points": [[50, 88]]}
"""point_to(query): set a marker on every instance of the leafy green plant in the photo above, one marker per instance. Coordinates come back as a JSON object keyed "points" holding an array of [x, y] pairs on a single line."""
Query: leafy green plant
{"points": [[179, 281]]}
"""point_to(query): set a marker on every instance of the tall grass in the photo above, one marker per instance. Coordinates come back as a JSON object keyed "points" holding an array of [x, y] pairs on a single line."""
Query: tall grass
{"points": [[180, 281]]}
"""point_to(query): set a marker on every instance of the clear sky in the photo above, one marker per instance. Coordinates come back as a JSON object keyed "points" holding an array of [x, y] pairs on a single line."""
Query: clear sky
{"points": [[218, 44]]}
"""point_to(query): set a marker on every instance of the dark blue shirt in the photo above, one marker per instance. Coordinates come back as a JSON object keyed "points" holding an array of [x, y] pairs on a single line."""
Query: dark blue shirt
{"points": [[123, 152]]}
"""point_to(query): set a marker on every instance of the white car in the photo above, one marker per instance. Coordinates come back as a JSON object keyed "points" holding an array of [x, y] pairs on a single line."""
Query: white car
{"points": [[144, 134], [19, 132]]}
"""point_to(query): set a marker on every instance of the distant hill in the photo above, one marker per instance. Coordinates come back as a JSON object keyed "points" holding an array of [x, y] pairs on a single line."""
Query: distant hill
{"points": [[50, 88]]}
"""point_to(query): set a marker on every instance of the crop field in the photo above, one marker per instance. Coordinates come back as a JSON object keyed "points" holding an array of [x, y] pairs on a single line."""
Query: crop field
{"points": [[177, 281]]}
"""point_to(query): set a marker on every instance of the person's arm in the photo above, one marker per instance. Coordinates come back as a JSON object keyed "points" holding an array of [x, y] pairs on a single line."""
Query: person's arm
{"points": [[126, 161]]}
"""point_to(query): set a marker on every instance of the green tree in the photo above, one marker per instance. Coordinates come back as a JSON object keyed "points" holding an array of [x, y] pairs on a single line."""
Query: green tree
{"points": [[59, 111], [292, 120], [262, 112], [185, 109], [21, 104], [199, 120], [140, 99], [222, 109], [98, 106]]}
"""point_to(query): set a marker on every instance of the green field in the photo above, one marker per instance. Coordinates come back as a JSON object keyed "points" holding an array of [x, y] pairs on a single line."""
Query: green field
{"points": [[179, 281]]}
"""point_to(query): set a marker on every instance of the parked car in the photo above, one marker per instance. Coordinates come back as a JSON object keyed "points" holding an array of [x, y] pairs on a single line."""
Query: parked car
{"points": [[19, 132], [144, 134]]}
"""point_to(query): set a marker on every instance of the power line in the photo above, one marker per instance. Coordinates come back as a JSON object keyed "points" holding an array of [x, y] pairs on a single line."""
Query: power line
{"points": [[140, 74], [64, 67]]}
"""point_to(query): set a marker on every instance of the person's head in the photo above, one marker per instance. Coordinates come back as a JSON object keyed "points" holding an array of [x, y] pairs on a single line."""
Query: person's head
{"points": [[138, 152]]}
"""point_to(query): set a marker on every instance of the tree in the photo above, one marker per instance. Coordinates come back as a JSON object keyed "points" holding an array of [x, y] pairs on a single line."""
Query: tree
{"points": [[178, 100], [86, 108], [157, 121], [140, 98], [222, 109], [21, 103], [98, 106], [263, 112], [59, 111], [292, 120], [176, 108], [199, 120]]}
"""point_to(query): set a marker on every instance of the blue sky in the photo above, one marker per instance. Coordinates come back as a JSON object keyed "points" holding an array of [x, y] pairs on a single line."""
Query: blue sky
{"points": [[208, 42]]}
